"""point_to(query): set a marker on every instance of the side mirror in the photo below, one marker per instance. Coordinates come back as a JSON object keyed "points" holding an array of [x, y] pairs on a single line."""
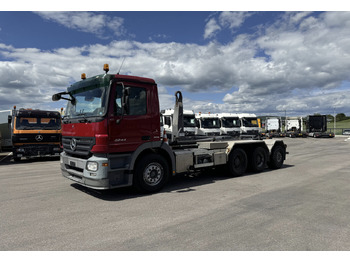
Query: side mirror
{"points": [[56, 97], [9, 119]]}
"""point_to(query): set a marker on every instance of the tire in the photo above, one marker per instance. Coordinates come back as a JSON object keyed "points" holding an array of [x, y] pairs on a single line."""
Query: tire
{"points": [[259, 159], [277, 157], [238, 162], [151, 173], [16, 158]]}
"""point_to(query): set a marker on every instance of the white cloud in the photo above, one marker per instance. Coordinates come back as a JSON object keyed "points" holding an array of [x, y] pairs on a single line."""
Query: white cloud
{"points": [[89, 22], [307, 63], [233, 20], [230, 20], [210, 28]]}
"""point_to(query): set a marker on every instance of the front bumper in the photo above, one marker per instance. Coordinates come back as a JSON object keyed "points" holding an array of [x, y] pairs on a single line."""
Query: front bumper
{"points": [[104, 178], [36, 150]]}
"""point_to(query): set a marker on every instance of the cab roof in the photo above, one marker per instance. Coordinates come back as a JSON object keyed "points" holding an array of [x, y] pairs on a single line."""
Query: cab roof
{"points": [[104, 79]]}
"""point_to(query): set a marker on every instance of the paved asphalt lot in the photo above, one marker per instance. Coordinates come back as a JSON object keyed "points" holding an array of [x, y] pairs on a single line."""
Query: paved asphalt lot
{"points": [[303, 206]]}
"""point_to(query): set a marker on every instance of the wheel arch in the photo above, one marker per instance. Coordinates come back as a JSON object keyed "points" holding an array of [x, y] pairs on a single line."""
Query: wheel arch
{"points": [[161, 149], [281, 144]]}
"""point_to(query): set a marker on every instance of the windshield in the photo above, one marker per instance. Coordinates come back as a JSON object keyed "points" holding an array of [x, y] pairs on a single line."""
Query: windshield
{"points": [[230, 122], [250, 122], [210, 123], [88, 102], [189, 121], [35, 123]]}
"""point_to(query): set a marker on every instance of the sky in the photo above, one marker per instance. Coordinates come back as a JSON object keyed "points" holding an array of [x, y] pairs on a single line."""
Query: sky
{"points": [[284, 62]]}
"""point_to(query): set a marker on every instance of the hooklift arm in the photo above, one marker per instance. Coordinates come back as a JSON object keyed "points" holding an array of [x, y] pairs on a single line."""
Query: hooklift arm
{"points": [[178, 122]]}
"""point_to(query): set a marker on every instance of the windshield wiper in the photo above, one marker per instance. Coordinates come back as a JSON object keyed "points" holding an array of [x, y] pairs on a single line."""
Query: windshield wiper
{"points": [[84, 120]]}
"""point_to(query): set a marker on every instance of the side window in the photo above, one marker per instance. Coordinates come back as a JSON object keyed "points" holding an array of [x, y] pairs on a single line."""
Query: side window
{"points": [[167, 120], [137, 101]]}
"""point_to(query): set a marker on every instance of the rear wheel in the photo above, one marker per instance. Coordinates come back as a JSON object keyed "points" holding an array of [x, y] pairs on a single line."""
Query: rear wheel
{"points": [[151, 173], [259, 159], [277, 157], [238, 162]]}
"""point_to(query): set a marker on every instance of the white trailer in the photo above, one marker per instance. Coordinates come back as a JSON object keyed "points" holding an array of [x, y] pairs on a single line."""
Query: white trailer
{"points": [[230, 124], [5, 129], [207, 125]]}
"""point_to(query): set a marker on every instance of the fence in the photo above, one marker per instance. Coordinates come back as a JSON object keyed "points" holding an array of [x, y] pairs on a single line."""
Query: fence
{"points": [[340, 131]]}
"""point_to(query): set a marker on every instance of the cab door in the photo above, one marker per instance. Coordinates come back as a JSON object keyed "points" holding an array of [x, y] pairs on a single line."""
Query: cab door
{"points": [[130, 121]]}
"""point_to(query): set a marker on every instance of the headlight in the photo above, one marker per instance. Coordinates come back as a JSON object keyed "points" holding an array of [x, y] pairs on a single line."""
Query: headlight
{"points": [[92, 166]]}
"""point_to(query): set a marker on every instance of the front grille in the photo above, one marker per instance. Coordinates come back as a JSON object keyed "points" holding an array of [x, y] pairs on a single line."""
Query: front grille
{"points": [[252, 132], [82, 148], [36, 138], [213, 134], [189, 133]]}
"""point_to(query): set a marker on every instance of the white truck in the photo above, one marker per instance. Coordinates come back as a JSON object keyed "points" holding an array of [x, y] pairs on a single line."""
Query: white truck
{"points": [[294, 127], [249, 126], [5, 130], [230, 124], [273, 127], [188, 119], [208, 125]]}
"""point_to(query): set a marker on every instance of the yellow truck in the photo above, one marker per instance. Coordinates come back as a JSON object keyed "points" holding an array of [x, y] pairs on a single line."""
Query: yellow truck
{"points": [[35, 133]]}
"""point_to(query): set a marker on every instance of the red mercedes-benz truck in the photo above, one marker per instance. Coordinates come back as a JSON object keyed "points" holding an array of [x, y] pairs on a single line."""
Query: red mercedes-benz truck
{"points": [[111, 138]]}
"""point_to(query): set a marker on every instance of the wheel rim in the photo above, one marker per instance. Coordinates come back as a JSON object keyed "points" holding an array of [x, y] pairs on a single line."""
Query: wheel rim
{"points": [[278, 156], [237, 162], [153, 174], [260, 160]]}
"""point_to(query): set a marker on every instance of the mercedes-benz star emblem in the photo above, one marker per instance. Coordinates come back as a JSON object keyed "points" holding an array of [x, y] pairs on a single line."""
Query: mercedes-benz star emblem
{"points": [[73, 144], [39, 138]]}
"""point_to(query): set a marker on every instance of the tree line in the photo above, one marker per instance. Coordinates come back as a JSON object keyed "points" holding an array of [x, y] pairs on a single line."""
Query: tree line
{"points": [[339, 117]]}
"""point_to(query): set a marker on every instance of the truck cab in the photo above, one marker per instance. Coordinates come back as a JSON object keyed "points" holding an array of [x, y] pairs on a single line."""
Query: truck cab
{"points": [[208, 125], [249, 126], [189, 121], [273, 127], [108, 119], [230, 124], [317, 126], [35, 133], [294, 127]]}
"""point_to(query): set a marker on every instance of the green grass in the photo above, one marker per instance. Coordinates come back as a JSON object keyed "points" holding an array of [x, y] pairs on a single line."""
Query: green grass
{"points": [[339, 126]]}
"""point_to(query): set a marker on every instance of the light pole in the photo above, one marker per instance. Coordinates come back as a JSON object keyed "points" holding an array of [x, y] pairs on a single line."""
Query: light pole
{"points": [[335, 119]]}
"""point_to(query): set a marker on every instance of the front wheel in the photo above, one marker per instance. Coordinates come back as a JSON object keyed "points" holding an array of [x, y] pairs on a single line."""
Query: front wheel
{"points": [[151, 173]]}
